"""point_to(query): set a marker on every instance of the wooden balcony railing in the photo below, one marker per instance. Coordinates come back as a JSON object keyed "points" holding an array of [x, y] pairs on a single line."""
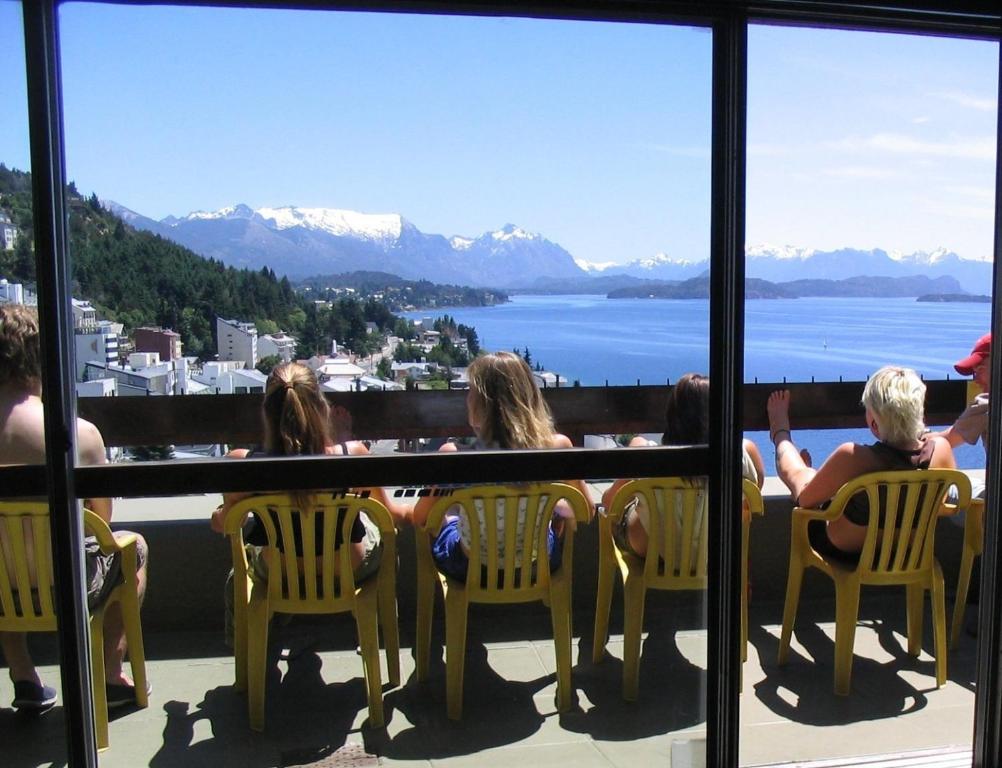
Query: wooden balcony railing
{"points": [[407, 415]]}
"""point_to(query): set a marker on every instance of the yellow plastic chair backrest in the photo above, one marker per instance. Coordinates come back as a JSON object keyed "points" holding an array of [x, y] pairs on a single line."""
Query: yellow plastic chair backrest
{"points": [[314, 583], [677, 529], [509, 526], [25, 568], [904, 507]]}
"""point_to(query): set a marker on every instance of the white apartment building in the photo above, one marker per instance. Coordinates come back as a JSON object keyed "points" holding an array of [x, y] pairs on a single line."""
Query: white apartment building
{"points": [[242, 381], [8, 233], [84, 315], [11, 293], [280, 345], [98, 344], [145, 374], [237, 341]]}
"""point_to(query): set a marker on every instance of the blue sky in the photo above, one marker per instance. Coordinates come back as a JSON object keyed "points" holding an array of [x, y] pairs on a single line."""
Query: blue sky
{"points": [[595, 135]]}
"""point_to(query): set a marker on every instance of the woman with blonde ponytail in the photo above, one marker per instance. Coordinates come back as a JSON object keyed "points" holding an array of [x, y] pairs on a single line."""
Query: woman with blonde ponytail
{"points": [[506, 411], [296, 421]]}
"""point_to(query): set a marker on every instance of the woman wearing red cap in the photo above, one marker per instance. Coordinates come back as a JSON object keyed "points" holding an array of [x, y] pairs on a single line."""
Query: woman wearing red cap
{"points": [[972, 424]]}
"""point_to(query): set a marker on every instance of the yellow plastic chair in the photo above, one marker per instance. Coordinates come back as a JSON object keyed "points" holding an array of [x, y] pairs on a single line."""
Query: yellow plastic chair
{"points": [[311, 585], [899, 553], [26, 592], [753, 505], [974, 545], [676, 560], [516, 569]]}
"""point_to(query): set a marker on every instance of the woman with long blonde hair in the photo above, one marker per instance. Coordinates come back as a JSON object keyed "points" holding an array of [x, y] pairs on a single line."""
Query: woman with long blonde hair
{"points": [[506, 411]]}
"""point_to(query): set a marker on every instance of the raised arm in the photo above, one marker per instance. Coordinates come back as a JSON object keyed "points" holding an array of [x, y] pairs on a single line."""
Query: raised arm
{"points": [[230, 498]]}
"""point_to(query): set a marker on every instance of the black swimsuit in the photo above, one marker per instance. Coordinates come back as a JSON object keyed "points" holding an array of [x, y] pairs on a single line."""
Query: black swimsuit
{"points": [[857, 510], [256, 534]]}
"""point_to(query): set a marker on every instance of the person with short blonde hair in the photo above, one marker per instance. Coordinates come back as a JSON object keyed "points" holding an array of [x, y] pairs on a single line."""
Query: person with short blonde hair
{"points": [[894, 399], [896, 396]]}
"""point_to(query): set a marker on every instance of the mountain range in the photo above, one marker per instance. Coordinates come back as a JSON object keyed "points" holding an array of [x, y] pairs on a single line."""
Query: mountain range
{"points": [[305, 242]]}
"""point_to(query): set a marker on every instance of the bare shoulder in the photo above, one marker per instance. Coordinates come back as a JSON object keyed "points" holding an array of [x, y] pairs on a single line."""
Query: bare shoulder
{"points": [[90, 444], [561, 441], [355, 448], [942, 453]]}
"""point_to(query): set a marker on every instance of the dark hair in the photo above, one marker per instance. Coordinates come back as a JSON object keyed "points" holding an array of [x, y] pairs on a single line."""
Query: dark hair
{"points": [[20, 350], [687, 414], [296, 415]]}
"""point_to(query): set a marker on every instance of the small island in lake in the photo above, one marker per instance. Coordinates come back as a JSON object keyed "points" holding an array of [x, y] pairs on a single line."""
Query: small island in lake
{"points": [[964, 298]]}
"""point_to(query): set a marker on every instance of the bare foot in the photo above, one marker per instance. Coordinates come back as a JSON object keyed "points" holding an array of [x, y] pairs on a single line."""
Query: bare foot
{"points": [[778, 408]]}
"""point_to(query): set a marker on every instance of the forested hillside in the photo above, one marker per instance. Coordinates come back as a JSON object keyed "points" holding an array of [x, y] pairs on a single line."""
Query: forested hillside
{"points": [[140, 279]]}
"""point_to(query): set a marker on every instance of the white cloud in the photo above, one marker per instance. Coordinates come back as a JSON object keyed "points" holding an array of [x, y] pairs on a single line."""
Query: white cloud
{"points": [[980, 103], [859, 172], [920, 120], [976, 149]]}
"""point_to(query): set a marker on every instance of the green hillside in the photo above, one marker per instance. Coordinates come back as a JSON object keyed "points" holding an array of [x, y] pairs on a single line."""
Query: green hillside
{"points": [[137, 278]]}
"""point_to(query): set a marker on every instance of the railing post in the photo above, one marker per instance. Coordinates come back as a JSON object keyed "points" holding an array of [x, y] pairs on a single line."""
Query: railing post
{"points": [[48, 183]]}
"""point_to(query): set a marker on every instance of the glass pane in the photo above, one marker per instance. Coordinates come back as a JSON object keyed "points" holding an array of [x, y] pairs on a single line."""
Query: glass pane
{"points": [[349, 174], [871, 161], [31, 656]]}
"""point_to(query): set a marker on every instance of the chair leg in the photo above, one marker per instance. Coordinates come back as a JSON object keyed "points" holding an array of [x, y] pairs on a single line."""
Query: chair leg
{"points": [[603, 600], [963, 586], [939, 624], [97, 671], [846, 615], [134, 640], [560, 613], [239, 640], [387, 602], [368, 639], [793, 582], [634, 592], [915, 597], [427, 579], [258, 617], [456, 609]]}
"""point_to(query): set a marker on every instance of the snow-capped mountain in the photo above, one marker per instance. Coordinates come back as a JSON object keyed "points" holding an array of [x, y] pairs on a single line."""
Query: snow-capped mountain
{"points": [[780, 264], [300, 242], [660, 266]]}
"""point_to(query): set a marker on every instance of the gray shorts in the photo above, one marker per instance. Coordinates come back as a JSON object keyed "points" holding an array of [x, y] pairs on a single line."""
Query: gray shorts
{"points": [[104, 572]]}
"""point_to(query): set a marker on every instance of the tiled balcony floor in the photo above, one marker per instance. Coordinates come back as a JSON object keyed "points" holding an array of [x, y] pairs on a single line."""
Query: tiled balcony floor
{"points": [[316, 700]]}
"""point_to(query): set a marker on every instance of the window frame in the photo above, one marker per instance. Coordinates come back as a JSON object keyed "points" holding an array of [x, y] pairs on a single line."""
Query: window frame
{"points": [[63, 482]]}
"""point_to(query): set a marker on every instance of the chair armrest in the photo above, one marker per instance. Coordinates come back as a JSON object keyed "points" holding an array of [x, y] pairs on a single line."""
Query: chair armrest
{"points": [[94, 525]]}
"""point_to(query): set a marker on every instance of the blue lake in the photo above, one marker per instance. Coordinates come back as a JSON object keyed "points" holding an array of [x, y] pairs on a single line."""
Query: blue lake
{"points": [[596, 340]]}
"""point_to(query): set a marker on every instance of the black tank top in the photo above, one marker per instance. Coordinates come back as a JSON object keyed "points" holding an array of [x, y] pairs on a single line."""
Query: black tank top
{"points": [[888, 458]]}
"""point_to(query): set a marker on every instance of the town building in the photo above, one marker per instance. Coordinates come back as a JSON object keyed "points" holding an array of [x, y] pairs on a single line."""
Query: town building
{"points": [[164, 342], [145, 374], [11, 293], [84, 315], [280, 345], [236, 341], [8, 232], [98, 343]]}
